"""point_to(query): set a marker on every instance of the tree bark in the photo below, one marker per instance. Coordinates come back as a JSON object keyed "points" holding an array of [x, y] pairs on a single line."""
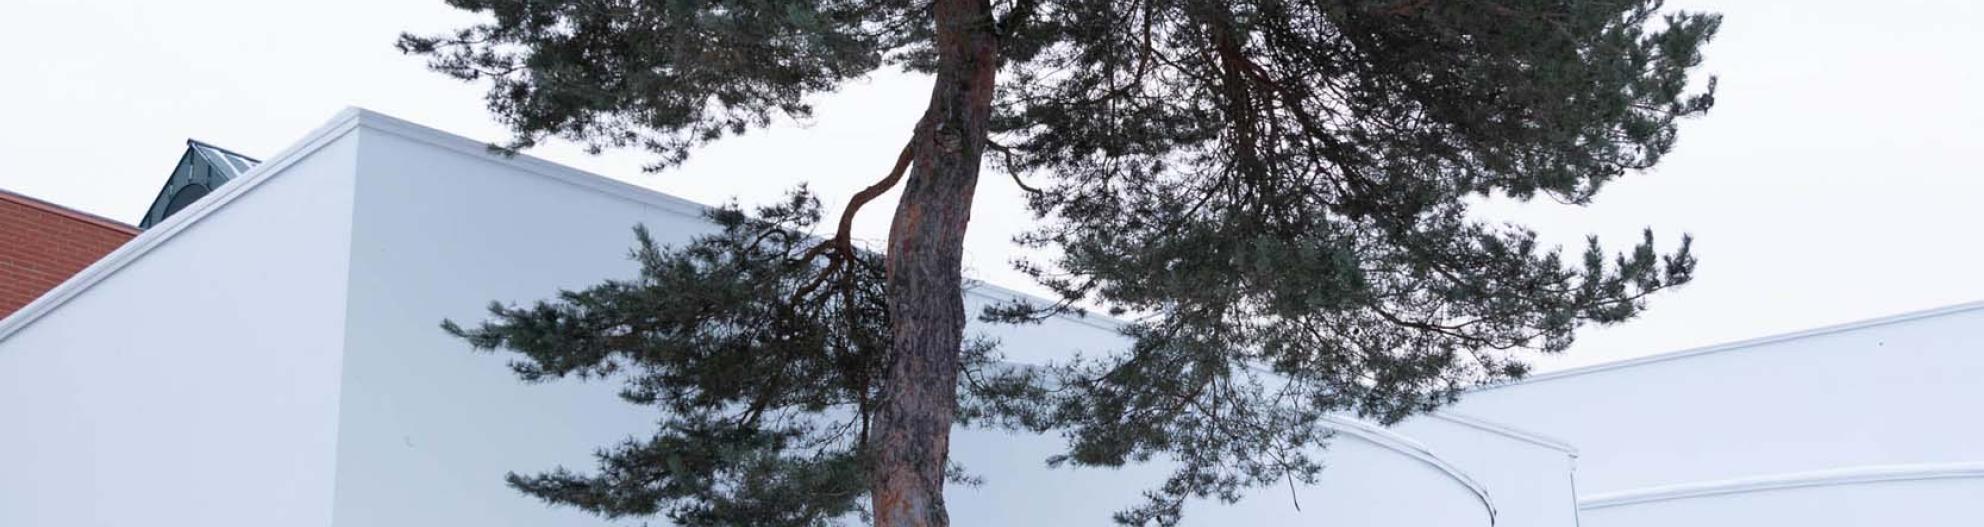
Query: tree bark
{"points": [[911, 435]]}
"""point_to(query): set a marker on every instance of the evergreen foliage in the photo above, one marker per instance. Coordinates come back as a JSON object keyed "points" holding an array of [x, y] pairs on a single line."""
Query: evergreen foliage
{"points": [[1277, 191], [765, 373], [753, 380]]}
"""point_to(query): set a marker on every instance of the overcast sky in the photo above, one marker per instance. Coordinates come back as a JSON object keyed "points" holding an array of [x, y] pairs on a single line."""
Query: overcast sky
{"points": [[1836, 180]]}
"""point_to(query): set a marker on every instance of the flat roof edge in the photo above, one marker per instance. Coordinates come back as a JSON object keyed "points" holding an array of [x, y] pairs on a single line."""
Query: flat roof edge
{"points": [[344, 122], [438, 138], [1909, 316]]}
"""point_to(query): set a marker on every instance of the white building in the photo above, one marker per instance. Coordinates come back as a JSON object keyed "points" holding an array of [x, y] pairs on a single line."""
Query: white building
{"points": [[1871, 423], [269, 355]]}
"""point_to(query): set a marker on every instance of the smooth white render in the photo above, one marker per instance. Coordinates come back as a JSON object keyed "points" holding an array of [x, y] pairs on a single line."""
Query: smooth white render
{"points": [[271, 356], [193, 382], [1871, 423]]}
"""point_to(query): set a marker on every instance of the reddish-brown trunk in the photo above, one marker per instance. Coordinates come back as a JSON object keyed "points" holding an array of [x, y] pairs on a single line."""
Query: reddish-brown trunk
{"points": [[911, 434]]}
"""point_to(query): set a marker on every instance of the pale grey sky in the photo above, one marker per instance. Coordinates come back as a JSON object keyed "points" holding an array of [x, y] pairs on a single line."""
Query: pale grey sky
{"points": [[1837, 179]]}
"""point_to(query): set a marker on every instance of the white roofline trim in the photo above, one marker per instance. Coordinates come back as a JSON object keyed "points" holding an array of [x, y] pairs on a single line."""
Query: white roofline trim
{"points": [[1822, 478], [575, 177], [164, 231], [1387, 439], [1505, 431], [1741, 344]]}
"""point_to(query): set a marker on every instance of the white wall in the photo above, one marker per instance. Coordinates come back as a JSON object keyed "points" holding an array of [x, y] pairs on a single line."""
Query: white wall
{"points": [[197, 384], [1530, 481], [1368, 482], [429, 428], [272, 356], [1894, 392], [1917, 503]]}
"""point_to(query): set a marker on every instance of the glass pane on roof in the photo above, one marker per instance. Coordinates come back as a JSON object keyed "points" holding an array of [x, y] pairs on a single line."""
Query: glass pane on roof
{"points": [[228, 164], [185, 196], [199, 171], [213, 160]]}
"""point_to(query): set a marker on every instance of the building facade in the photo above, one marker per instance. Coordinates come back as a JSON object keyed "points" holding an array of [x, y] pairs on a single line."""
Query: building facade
{"points": [[1869, 423], [277, 361]]}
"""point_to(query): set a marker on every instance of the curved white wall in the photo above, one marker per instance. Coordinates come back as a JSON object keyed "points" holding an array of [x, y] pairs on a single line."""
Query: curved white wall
{"points": [[1366, 484]]}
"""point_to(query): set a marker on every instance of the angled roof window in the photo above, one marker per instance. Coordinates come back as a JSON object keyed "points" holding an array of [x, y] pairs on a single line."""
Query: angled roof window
{"points": [[201, 169]]}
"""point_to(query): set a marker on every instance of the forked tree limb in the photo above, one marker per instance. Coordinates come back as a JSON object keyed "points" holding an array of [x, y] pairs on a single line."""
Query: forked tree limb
{"points": [[843, 236], [840, 248], [1007, 152]]}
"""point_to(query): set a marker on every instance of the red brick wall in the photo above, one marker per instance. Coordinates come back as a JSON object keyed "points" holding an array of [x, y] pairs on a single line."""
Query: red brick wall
{"points": [[42, 244]]}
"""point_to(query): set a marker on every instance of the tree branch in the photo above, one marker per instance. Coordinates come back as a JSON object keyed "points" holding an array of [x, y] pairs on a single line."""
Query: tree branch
{"points": [[841, 247]]}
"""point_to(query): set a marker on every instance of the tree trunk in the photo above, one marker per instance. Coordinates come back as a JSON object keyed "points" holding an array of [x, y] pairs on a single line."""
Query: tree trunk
{"points": [[911, 435]]}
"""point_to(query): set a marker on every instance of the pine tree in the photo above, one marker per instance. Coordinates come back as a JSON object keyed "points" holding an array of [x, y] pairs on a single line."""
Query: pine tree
{"points": [[1278, 189]]}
